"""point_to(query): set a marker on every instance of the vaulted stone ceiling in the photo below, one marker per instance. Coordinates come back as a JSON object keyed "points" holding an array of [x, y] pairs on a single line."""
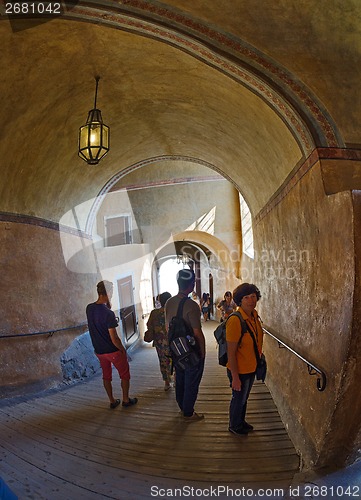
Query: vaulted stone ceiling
{"points": [[247, 88]]}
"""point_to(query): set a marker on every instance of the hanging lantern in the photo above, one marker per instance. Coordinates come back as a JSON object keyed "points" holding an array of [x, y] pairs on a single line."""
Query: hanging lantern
{"points": [[94, 135]]}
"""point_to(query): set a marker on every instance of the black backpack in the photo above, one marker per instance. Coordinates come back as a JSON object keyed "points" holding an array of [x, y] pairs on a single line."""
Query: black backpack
{"points": [[182, 343], [220, 336]]}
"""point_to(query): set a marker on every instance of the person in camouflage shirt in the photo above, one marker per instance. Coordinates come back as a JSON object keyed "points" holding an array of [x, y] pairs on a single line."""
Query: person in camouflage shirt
{"points": [[156, 325]]}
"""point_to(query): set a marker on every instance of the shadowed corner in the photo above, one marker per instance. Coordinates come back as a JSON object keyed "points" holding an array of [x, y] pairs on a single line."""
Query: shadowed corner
{"points": [[27, 14]]}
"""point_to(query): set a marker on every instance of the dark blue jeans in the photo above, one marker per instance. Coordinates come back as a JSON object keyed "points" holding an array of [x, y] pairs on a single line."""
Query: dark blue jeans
{"points": [[238, 405], [186, 387]]}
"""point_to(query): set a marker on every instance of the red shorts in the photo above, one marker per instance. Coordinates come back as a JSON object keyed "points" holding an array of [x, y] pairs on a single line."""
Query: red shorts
{"points": [[120, 362]]}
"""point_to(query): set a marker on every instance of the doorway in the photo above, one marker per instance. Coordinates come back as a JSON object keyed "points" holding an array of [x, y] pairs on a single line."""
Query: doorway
{"points": [[127, 308]]}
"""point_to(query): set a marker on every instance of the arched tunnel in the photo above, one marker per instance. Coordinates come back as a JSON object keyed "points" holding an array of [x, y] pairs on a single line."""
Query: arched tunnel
{"points": [[212, 108]]}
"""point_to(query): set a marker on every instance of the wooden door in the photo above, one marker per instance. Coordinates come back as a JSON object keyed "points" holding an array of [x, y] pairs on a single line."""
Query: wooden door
{"points": [[127, 307]]}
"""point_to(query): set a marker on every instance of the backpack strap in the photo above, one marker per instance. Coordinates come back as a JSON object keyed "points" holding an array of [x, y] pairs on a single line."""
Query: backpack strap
{"points": [[255, 345], [244, 326], [180, 307], [179, 314]]}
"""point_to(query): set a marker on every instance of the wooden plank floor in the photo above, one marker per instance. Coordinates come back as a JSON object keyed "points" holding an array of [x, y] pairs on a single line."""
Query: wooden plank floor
{"points": [[68, 444]]}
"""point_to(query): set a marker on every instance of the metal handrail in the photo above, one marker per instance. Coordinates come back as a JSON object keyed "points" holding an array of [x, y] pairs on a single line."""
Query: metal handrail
{"points": [[312, 369], [48, 332]]}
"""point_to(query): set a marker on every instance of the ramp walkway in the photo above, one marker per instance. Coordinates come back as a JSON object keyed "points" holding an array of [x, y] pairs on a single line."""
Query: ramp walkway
{"points": [[68, 444]]}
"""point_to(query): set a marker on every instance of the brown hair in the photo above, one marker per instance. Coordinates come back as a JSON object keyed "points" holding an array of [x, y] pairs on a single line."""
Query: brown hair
{"points": [[103, 287], [163, 297], [243, 290]]}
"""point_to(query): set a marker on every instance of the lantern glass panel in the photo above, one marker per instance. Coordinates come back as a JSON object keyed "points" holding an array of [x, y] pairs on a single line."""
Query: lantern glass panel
{"points": [[105, 136], [83, 137], [95, 135]]}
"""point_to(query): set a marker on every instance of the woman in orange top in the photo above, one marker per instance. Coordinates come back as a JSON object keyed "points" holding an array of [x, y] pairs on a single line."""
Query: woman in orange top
{"points": [[242, 362]]}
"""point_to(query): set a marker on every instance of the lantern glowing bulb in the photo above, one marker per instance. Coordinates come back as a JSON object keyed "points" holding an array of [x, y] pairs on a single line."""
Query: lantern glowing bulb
{"points": [[94, 135]]}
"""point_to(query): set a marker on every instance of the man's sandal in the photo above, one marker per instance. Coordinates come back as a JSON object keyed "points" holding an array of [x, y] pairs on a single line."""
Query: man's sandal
{"points": [[131, 402]]}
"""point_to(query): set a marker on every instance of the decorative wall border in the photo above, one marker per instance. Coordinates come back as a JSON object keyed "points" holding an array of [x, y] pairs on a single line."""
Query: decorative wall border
{"points": [[275, 85], [248, 54], [39, 222], [168, 182], [301, 169]]}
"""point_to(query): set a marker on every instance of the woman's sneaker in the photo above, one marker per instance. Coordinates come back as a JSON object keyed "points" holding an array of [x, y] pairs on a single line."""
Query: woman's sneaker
{"points": [[239, 431], [248, 426], [194, 418]]}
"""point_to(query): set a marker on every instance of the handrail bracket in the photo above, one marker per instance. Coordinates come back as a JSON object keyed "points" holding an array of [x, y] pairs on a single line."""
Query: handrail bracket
{"points": [[312, 369]]}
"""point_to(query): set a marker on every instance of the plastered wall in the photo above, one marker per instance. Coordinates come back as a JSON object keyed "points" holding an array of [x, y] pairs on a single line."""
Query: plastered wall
{"points": [[39, 294], [345, 447], [306, 271]]}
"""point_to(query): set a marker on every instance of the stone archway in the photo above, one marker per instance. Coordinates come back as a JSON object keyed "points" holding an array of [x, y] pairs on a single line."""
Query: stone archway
{"points": [[218, 259]]}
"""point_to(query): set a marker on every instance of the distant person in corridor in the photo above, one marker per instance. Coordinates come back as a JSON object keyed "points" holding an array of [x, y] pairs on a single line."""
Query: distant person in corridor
{"points": [[187, 381], [205, 306], [156, 324], [226, 306], [242, 360], [107, 345]]}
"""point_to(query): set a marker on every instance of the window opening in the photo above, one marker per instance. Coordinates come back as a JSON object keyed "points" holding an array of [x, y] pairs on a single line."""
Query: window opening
{"points": [[247, 231], [118, 230]]}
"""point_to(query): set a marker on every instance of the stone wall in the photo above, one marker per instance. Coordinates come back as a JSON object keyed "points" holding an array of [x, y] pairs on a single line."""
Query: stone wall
{"points": [[343, 442], [39, 294], [79, 360], [305, 269]]}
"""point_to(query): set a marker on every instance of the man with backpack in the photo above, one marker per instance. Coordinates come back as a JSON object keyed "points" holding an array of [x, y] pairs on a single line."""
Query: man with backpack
{"points": [[189, 370]]}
